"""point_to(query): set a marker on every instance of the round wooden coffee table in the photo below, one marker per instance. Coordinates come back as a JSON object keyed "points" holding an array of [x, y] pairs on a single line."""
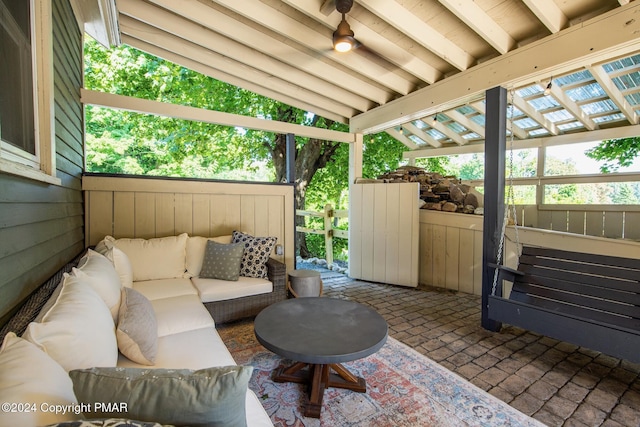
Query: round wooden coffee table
{"points": [[319, 334]]}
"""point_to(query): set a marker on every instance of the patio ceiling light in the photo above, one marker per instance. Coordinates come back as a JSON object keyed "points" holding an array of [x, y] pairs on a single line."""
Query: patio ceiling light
{"points": [[547, 91], [343, 40]]}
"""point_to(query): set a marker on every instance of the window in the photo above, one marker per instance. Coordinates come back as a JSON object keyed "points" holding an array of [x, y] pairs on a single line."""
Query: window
{"points": [[26, 90]]}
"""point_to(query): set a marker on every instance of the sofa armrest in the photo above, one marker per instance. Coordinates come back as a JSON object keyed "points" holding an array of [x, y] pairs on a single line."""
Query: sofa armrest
{"points": [[277, 274]]}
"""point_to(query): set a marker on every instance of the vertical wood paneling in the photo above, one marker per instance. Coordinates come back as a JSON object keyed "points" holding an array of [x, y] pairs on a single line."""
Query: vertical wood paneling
{"points": [[613, 225], [183, 213], [101, 219], [165, 215], [355, 231], [452, 258], [439, 256], [147, 208], [408, 233], [247, 215], [123, 221], [559, 220], [544, 219], [379, 237], [477, 262], [576, 222], [201, 215], [593, 223], [425, 267], [466, 259], [145, 215], [368, 227], [392, 229], [632, 225]]}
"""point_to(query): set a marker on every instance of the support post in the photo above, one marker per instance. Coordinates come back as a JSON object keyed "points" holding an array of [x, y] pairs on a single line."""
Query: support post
{"points": [[494, 182], [290, 145], [328, 234], [356, 150]]}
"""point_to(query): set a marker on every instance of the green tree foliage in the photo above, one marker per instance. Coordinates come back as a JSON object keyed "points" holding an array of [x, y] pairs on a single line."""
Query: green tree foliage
{"points": [[616, 153]]}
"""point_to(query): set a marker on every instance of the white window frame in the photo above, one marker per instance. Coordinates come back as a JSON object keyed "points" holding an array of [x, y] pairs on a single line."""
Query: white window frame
{"points": [[42, 165]]}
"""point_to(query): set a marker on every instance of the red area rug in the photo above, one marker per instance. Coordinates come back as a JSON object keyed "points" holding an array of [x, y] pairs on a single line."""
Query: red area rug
{"points": [[404, 388]]}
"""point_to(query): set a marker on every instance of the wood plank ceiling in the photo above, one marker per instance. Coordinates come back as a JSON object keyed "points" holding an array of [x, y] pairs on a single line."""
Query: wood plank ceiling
{"points": [[414, 62]]}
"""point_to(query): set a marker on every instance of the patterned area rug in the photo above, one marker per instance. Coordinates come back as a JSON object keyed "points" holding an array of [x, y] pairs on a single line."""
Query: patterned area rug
{"points": [[404, 388]]}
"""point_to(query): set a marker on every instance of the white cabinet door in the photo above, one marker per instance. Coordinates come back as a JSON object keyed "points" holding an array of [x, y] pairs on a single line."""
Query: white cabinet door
{"points": [[384, 233]]}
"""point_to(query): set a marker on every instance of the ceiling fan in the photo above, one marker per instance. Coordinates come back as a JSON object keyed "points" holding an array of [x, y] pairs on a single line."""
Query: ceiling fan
{"points": [[343, 36]]}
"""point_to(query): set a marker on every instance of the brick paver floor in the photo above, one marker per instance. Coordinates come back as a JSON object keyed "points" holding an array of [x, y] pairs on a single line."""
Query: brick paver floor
{"points": [[555, 382]]}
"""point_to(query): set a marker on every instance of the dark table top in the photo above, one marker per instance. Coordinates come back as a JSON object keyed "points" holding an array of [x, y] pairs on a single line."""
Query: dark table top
{"points": [[320, 330]]}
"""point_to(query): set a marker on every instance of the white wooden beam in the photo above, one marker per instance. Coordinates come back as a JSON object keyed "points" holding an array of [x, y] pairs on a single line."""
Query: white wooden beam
{"points": [[465, 121], [476, 18], [569, 138], [207, 116], [570, 105], [534, 115], [394, 133], [549, 14], [446, 130], [373, 41], [517, 130], [406, 22], [210, 18], [420, 133], [283, 24], [187, 30], [262, 83], [614, 93], [597, 40]]}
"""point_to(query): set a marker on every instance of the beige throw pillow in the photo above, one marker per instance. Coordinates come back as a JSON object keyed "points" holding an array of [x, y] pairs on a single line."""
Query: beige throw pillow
{"points": [[78, 331], [137, 331], [99, 272]]}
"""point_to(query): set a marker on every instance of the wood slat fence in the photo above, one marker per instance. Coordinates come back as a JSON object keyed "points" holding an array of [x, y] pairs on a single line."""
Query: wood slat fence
{"points": [[328, 230]]}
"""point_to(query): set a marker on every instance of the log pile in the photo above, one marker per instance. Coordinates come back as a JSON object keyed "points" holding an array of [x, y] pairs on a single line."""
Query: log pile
{"points": [[441, 193]]}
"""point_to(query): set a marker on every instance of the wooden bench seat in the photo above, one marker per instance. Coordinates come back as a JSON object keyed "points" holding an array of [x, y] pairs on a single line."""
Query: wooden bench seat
{"points": [[585, 299]]}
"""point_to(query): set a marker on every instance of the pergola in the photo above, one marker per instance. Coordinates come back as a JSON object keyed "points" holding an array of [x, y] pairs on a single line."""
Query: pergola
{"points": [[423, 66]]}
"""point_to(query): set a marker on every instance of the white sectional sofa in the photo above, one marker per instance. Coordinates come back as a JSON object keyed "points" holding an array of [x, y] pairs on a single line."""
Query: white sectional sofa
{"points": [[117, 299]]}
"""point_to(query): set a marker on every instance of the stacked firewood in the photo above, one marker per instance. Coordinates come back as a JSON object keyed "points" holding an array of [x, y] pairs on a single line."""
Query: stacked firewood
{"points": [[441, 193]]}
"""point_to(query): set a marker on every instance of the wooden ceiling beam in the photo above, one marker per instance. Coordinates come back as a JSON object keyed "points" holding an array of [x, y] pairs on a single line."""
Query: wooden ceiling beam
{"points": [[213, 65], [208, 17], [477, 19], [184, 29], [549, 14], [570, 105], [406, 22], [279, 22], [396, 134], [614, 93], [420, 133], [405, 59], [613, 34]]}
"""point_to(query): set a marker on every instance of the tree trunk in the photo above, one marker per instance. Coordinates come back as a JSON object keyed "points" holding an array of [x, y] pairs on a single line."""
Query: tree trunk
{"points": [[313, 155]]}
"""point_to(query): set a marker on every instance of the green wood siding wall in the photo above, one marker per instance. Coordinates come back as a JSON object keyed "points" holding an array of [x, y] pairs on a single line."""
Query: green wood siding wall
{"points": [[41, 225]]}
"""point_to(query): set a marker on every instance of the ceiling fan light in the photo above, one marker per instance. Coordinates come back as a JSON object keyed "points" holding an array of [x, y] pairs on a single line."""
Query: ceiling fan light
{"points": [[343, 40]]}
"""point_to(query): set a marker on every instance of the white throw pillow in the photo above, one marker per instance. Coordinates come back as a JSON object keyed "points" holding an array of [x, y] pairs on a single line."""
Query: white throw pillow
{"points": [[30, 383], [119, 259], [195, 252], [99, 272], [78, 331], [151, 259]]}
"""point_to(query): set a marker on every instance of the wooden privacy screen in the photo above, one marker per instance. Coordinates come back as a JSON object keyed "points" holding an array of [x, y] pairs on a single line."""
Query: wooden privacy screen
{"points": [[384, 233], [152, 207]]}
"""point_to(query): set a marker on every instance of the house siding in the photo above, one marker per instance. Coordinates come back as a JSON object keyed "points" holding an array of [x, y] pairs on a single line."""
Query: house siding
{"points": [[42, 225]]}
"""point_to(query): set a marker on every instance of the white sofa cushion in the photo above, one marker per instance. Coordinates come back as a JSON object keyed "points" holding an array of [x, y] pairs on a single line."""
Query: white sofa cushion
{"points": [[99, 272], [165, 288], [211, 290], [180, 314], [78, 331], [30, 376], [195, 252], [195, 349], [119, 259], [158, 258]]}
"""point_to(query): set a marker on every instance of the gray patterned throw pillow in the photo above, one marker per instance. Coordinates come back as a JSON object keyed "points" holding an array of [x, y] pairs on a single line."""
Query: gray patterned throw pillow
{"points": [[257, 251], [222, 261]]}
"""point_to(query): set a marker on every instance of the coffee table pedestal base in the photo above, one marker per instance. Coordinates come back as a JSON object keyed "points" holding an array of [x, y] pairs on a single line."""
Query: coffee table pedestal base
{"points": [[319, 377]]}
